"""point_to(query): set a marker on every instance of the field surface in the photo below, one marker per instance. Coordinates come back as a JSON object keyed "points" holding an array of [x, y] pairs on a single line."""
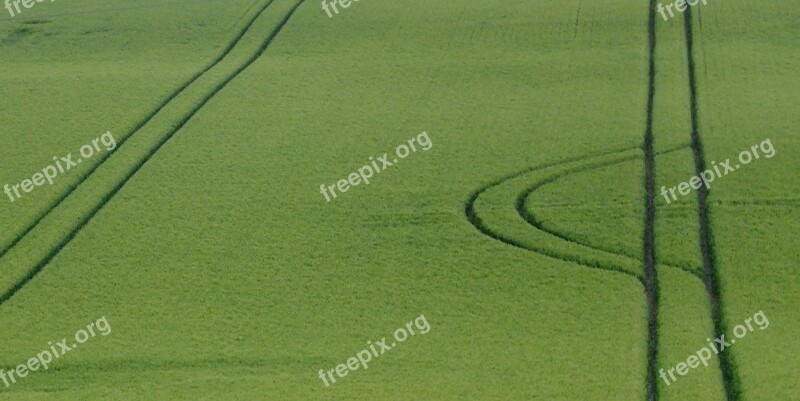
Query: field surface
{"points": [[529, 226]]}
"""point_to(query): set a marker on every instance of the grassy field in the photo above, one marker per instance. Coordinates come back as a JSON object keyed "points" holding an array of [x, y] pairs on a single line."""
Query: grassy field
{"points": [[522, 234]]}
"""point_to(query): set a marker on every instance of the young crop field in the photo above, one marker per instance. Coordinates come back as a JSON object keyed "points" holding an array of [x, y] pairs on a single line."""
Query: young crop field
{"points": [[439, 200]]}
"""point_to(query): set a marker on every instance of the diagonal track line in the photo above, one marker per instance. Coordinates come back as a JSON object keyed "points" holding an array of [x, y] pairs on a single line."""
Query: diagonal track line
{"points": [[135, 129], [74, 232]]}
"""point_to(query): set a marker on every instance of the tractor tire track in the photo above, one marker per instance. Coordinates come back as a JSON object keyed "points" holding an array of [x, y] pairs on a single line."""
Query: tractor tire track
{"points": [[474, 217], [30, 227], [530, 218], [649, 277], [649, 241], [86, 219], [730, 377], [481, 226]]}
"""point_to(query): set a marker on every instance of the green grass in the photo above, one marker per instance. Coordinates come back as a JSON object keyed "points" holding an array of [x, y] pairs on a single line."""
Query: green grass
{"points": [[72, 76], [225, 275]]}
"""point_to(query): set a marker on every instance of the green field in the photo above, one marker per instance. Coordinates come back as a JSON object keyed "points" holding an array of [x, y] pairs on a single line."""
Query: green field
{"points": [[532, 234]]}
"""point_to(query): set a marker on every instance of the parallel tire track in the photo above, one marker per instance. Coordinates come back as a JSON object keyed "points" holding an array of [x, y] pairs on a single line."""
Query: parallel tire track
{"points": [[74, 232], [30, 227], [730, 378], [709, 276]]}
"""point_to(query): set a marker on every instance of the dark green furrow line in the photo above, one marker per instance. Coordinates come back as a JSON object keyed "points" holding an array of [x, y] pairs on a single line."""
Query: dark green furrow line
{"points": [[649, 242], [730, 378], [479, 224], [74, 232], [30, 227], [485, 230], [528, 216], [531, 219], [548, 165]]}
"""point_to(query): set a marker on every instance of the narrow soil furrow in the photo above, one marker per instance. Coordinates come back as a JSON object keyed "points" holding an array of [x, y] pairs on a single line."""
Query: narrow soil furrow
{"points": [[730, 378], [108, 196], [649, 240], [121, 141]]}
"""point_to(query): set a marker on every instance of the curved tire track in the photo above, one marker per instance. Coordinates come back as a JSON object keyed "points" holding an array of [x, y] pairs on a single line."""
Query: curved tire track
{"points": [[650, 278], [485, 229], [525, 212], [476, 219], [709, 276], [480, 223], [86, 219]]}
